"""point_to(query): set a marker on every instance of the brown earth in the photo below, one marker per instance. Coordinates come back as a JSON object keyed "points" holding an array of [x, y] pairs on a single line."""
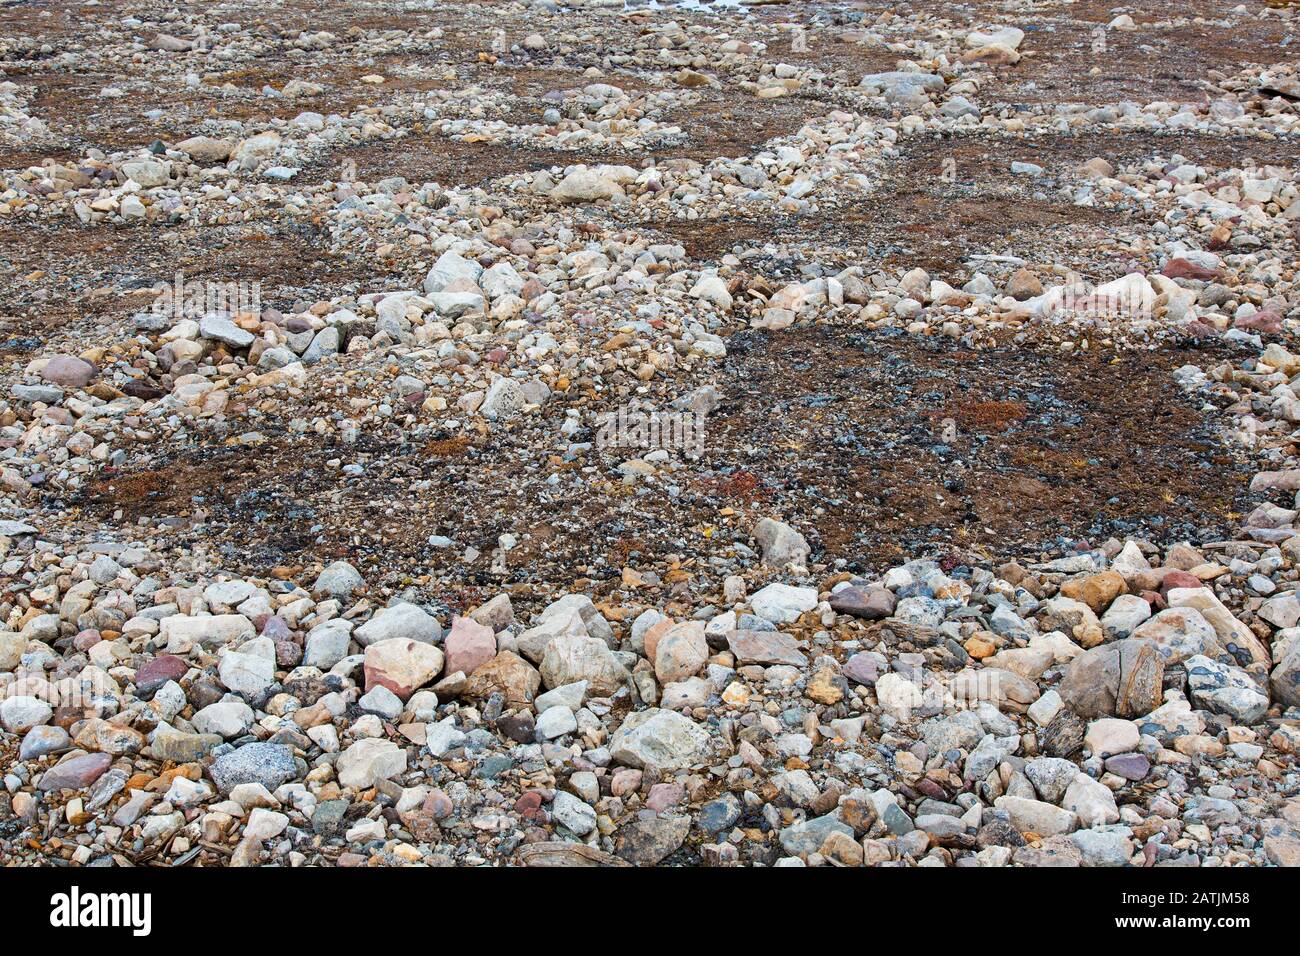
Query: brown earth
{"points": [[917, 216], [842, 427], [65, 271]]}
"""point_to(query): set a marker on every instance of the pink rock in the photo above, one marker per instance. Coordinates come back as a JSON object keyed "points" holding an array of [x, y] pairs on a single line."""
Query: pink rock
{"points": [[469, 645], [159, 671], [665, 795], [86, 639], [287, 654], [75, 773], [1186, 269], [625, 781], [275, 628], [529, 806], [1179, 579], [862, 669], [438, 805], [68, 370], [1263, 321], [1200, 330]]}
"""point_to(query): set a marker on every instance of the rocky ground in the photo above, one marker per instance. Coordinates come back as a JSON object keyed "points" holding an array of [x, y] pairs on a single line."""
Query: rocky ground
{"points": [[317, 545]]}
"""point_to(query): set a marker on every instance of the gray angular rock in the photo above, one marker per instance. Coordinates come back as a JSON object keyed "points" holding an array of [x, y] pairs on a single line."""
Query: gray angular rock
{"points": [[809, 835], [268, 764], [782, 545], [220, 328]]}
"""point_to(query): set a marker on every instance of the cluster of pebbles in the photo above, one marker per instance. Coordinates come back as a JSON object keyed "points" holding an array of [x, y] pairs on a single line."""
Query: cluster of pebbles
{"points": [[424, 252]]}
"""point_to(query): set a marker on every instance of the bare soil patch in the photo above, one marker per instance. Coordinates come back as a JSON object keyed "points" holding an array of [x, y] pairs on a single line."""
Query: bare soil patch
{"points": [[847, 425]]}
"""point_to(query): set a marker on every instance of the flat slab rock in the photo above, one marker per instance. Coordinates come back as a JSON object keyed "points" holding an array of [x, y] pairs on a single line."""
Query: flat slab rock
{"points": [[765, 647]]}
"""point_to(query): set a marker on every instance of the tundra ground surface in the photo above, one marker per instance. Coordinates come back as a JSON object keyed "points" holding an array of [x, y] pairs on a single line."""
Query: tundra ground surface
{"points": [[498, 433]]}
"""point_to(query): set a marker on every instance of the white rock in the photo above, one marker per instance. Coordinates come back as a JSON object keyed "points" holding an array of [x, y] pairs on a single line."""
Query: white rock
{"points": [[556, 722], [402, 621], [783, 603], [368, 761]]}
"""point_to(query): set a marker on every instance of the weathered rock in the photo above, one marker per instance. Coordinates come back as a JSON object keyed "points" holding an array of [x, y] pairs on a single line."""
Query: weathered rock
{"points": [[509, 674], [268, 764], [1178, 633], [661, 739], [782, 545], [783, 604], [402, 665], [681, 652], [1122, 679], [765, 647], [402, 621], [1035, 816], [572, 658], [647, 841], [1225, 690], [368, 761]]}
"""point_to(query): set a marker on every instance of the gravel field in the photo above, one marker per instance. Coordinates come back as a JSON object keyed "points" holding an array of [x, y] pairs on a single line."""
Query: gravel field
{"points": [[634, 433]]}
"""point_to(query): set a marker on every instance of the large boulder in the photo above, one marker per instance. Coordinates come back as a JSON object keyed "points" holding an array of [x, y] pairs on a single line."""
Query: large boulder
{"points": [[572, 657], [662, 739], [1223, 689], [1179, 633], [1123, 679], [402, 665], [401, 621]]}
